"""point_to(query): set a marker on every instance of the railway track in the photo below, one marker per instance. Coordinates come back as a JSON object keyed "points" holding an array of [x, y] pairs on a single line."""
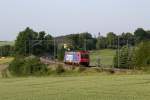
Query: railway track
{"points": [[55, 62], [49, 61]]}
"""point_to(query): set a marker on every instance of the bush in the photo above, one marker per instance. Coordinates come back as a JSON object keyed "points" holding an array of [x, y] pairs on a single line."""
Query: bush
{"points": [[126, 58], [15, 67], [143, 55], [138, 57], [27, 66], [60, 53], [81, 69], [60, 69]]}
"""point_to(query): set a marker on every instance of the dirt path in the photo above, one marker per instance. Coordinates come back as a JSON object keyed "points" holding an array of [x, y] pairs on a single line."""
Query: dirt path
{"points": [[3, 67]]}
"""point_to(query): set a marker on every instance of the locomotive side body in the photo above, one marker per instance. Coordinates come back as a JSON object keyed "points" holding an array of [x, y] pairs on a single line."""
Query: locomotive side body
{"points": [[77, 58]]}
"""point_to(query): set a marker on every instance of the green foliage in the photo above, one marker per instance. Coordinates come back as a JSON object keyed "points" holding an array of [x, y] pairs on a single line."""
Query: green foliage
{"points": [[141, 35], [87, 41], [31, 42], [73, 39], [15, 66], [143, 54], [81, 41], [23, 41], [111, 40], [138, 57], [126, 39], [60, 69], [81, 69], [123, 58], [101, 43], [27, 66], [6, 50], [60, 53]]}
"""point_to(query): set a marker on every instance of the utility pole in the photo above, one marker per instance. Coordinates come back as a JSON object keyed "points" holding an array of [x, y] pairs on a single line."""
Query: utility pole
{"points": [[25, 47], [85, 45], [128, 43], [54, 49], [1, 52], [118, 52], [29, 47]]}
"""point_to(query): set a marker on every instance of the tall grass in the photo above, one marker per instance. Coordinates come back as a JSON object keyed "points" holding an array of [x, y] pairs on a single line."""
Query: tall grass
{"points": [[97, 87]]}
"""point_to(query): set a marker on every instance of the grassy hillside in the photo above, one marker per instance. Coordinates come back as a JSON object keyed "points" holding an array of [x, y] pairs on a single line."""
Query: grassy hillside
{"points": [[105, 55], [127, 87], [6, 43]]}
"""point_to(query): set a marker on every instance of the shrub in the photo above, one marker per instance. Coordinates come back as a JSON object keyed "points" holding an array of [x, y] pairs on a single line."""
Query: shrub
{"points": [[81, 69], [60, 53], [27, 66], [15, 67], [33, 66], [60, 69], [143, 54], [138, 57], [125, 58]]}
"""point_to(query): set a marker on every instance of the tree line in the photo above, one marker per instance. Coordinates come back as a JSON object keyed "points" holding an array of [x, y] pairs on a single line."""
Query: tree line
{"points": [[7, 50], [129, 45], [137, 57], [31, 42]]}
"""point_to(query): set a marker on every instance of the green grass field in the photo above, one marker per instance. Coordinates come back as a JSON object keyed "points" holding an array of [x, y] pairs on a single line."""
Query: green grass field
{"points": [[2, 43], [106, 57], [97, 87], [6, 60]]}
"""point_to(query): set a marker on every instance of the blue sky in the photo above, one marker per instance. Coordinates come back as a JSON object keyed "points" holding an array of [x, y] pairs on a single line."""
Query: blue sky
{"points": [[60, 17]]}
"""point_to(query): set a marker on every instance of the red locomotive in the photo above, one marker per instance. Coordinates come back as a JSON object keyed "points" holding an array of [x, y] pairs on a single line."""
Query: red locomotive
{"points": [[77, 58]]}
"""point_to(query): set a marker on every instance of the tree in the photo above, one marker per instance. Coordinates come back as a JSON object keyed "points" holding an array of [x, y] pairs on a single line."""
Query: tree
{"points": [[101, 43], [143, 54], [44, 44], [141, 35], [123, 58], [148, 34], [73, 39], [41, 35], [49, 45], [6, 50], [86, 41], [85, 35], [60, 53], [111, 40], [81, 41], [126, 39], [27, 66], [23, 41], [31, 42]]}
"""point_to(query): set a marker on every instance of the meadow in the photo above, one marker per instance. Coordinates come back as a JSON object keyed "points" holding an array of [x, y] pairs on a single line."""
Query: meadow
{"points": [[95, 87], [6, 60], [105, 55], [83, 86], [2, 43]]}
